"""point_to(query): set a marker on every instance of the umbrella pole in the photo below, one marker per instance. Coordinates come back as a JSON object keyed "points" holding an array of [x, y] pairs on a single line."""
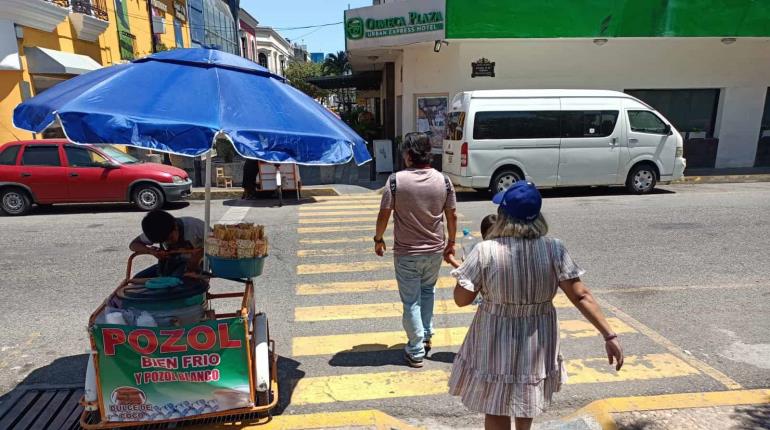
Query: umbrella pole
{"points": [[207, 210]]}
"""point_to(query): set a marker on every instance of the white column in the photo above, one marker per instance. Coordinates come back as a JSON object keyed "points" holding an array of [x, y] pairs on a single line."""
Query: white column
{"points": [[739, 123]]}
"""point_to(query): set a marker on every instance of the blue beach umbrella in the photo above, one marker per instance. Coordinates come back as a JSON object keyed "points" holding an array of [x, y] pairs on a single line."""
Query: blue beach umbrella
{"points": [[181, 101]]}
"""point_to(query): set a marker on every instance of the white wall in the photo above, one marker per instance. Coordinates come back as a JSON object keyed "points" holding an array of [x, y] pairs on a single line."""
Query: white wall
{"points": [[741, 70]]}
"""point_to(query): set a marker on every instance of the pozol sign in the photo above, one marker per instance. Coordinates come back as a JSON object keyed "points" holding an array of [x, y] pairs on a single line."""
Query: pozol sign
{"points": [[395, 23]]}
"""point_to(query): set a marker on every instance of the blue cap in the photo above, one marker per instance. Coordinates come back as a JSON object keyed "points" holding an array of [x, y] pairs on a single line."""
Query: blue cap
{"points": [[521, 201]]}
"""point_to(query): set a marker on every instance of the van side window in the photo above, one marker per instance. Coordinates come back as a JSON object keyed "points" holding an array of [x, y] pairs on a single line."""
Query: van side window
{"points": [[588, 123], [8, 156], [41, 155], [454, 126], [643, 121], [516, 125]]}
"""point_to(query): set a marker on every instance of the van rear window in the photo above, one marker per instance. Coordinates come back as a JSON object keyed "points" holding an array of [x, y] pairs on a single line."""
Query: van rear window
{"points": [[516, 125], [454, 126]]}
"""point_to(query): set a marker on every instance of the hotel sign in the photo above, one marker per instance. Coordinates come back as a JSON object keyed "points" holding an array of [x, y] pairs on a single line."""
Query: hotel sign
{"points": [[395, 23]]}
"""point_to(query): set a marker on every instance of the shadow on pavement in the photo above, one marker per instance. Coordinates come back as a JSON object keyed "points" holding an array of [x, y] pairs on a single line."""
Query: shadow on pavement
{"points": [[443, 357], [77, 209], [267, 203], [289, 375], [70, 370], [556, 193], [753, 416], [370, 355]]}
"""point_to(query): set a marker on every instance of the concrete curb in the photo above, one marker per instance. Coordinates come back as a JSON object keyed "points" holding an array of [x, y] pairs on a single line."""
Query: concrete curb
{"points": [[723, 179], [601, 410], [235, 193]]}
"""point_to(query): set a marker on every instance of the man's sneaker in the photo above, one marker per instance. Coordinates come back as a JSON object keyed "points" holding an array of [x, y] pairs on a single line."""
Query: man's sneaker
{"points": [[428, 345], [411, 361]]}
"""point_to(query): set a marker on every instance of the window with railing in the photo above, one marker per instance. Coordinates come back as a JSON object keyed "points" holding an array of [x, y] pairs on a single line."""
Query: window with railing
{"points": [[94, 8]]}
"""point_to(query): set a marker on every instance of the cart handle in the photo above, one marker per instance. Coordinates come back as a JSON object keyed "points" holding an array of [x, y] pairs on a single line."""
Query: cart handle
{"points": [[130, 262]]}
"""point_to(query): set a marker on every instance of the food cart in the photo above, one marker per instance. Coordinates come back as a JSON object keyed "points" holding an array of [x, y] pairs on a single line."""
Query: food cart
{"points": [[147, 366]]}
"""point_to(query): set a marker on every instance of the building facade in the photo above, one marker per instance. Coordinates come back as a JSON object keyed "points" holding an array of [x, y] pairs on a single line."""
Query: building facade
{"points": [[213, 25], [248, 33], [273, 51], [43, 42], [707, 75]]}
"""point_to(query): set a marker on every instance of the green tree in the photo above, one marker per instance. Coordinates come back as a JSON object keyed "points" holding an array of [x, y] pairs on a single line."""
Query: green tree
{"points": [[298, 73], [337, 64]]}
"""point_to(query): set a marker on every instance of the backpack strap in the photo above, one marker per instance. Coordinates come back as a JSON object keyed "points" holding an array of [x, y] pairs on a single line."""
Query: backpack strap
{"points": [[447, 184], [392, 183]]}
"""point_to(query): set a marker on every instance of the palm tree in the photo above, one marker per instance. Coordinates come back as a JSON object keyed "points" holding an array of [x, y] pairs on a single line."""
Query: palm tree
{"points": [[337, 64]]}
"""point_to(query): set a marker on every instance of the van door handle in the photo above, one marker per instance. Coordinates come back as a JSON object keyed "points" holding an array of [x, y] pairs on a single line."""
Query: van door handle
{"points": [[73, 174], [25, 174], [614, 141], [632, 140]]}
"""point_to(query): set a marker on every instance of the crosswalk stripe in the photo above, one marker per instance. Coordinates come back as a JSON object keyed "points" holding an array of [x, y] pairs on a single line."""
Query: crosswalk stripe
{"points": [[444, 337], [386, 310], [361, 286], [337, 229], [331, 240], [369, 219], [360, 266], [356, 266], [326, 207], [308, 214], [348, 197], [409, 383]]}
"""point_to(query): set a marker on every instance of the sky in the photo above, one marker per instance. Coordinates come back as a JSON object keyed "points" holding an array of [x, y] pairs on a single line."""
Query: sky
{"points": [[299, 13]]}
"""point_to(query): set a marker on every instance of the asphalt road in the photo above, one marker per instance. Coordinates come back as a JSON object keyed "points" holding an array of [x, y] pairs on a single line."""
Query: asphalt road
{"points": [[683, 272]]}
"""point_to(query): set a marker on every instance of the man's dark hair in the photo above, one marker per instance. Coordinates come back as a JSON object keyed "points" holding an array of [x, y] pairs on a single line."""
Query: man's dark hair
{"points": [[418, 147], [486, 224], [157, 225]]}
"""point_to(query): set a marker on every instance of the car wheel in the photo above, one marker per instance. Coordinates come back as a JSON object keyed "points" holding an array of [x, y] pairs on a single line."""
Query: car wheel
{"points": [[504, 179], [148, 197], [641, 179], [15, 201]]}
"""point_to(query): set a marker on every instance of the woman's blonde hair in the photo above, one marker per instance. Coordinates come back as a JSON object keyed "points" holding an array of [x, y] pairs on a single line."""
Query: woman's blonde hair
{"points": [[505, 226]]}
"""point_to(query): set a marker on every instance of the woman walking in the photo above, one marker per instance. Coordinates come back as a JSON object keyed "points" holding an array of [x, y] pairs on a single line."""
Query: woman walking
{"points": [[509, 364]]}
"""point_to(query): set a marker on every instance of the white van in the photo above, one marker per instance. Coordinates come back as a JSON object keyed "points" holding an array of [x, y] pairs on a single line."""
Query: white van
{"points": [[559, 138]]}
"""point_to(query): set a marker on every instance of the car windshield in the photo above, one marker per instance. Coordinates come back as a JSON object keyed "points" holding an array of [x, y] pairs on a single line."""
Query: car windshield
{"points": [[118, 155]]}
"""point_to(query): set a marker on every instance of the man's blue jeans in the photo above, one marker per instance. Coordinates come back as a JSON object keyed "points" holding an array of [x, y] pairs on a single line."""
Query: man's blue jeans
{"points": [[416, 276]]}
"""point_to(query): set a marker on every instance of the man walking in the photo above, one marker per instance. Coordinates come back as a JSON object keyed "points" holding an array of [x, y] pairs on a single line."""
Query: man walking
{"points": [[420, 197]]}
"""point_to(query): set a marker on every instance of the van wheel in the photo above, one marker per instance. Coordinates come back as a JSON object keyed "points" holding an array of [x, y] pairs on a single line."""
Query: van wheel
{"points": [[15, 201], [148, 197], [504, 179], [641, 179]]}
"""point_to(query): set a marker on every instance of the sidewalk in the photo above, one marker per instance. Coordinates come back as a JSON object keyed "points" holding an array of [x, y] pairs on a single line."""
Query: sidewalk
{"points": [[724, 176], [738, 409]]}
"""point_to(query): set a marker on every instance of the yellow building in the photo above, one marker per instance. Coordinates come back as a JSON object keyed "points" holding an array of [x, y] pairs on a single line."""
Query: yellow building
{"points": [[43, 42]]}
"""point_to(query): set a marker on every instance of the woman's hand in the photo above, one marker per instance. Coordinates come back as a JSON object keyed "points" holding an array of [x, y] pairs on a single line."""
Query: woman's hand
{"points": [[614, 352]]}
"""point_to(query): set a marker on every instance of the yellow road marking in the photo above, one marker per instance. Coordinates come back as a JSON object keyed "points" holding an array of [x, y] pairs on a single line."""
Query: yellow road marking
{"points": [[324, 420], [372, 196], [602, 410], [327, 207], [308, 214], [362, 287], [385, 385], [359, 239], [369, 386], [342, 228], [673, 348], [356, 266], [386, 310], [337, 220], [444, 337]]}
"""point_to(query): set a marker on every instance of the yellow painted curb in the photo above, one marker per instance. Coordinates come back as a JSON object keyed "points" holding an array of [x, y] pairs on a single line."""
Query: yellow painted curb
{"points": [[602, 410], [367, 418]]}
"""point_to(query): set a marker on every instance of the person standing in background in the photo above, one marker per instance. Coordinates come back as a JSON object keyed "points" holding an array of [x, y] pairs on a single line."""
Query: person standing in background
{"points": [[420, 197]]}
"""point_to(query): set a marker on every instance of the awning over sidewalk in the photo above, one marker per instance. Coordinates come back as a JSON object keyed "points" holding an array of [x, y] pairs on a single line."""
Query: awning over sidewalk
{"points": [[363, 81], [53, 62]]}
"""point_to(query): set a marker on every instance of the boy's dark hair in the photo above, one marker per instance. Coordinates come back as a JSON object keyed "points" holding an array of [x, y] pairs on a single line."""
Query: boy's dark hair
{"points": [[418, 147], [487, 223], [157, 225]]}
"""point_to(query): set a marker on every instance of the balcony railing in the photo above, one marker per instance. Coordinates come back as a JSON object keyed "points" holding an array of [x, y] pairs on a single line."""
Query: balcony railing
{"points": [[95, 8]]}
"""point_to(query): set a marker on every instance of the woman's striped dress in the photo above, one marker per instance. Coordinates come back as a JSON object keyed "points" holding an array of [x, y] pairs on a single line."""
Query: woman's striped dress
{"points": [[509, 363]]}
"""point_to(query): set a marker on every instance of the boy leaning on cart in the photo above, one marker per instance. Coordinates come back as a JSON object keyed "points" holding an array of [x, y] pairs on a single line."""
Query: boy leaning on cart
{"points": [[172, 234]]}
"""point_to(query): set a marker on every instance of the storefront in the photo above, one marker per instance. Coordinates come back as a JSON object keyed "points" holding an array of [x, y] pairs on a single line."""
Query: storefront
{"points": [[705, 68]]}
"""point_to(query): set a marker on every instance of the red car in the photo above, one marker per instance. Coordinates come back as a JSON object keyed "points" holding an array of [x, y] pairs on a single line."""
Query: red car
{"points": [[56, 171]]}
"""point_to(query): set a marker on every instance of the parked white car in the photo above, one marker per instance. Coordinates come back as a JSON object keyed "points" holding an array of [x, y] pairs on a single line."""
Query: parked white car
{"points": [[559, 138]]}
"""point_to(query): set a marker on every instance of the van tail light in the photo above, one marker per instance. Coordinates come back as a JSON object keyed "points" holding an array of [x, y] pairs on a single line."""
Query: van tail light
{"points": [[464, 155]]}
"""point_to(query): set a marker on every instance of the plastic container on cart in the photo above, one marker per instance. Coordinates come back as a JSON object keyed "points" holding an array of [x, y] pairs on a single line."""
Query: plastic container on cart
{"points": [[236, 268]]}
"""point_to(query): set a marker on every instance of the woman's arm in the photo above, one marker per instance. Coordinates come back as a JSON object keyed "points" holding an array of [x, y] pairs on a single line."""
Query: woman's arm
{"points": [[464, 297], [580, 296]]}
